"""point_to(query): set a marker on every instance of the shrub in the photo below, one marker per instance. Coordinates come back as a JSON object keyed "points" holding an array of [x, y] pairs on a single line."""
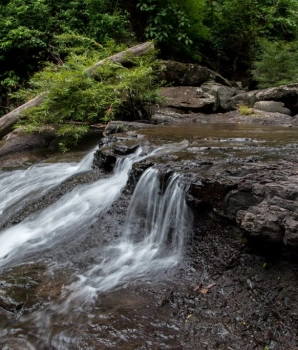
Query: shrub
{"points": [[74, 100], [276, 64]]}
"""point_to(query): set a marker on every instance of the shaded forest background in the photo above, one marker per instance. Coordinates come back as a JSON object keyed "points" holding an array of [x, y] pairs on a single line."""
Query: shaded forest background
{"points": [[253, 41]]}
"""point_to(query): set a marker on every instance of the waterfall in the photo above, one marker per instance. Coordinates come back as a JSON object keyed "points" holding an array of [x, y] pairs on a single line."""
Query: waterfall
{"points": [[157, 225], [153, 238], [64, 220], [21, 186]]}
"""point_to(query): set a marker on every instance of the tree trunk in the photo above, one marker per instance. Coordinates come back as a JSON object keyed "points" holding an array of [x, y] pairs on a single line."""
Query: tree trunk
{"points": [[8, 120], [137, 50]]}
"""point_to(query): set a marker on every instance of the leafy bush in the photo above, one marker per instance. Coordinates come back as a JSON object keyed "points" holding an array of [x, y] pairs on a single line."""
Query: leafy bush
{"points": [[176, 26], [276, 64], [28, 29], [237, 26], [74, 99]]}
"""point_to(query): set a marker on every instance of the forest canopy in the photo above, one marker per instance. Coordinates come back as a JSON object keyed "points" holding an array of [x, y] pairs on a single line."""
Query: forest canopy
{"points": [[238, 38]]}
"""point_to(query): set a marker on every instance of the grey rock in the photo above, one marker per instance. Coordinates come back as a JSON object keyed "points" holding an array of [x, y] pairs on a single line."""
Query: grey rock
{"points": [[19, 141], [188, 99], [288, 94], [188, 74], [262, 199], [245, 98], [275, 218], [222, 94], [167, 116], [272, 106]]}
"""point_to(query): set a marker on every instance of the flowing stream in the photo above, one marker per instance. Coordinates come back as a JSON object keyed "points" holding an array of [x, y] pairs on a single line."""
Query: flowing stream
{"points": [[64, 220], [153, 238], [20, 186], [102, 268], [152, 241]]}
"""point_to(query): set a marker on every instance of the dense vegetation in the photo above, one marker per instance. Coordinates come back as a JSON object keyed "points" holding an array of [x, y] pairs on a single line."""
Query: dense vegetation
{"points": [[250, 40], [74, 98]]}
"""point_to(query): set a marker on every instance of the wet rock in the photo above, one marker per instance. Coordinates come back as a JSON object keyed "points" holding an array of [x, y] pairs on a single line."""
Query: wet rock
{"points": [[111, 148], [261, 198], [18, 288], [209, 194], [105, 158], [240, 200], [188, 99], [125, 150], [272, 106], [18, 141], [123, 126], [273, 216]]}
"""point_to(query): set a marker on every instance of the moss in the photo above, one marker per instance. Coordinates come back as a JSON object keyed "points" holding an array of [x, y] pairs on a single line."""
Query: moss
{"points": [[244, 110]]}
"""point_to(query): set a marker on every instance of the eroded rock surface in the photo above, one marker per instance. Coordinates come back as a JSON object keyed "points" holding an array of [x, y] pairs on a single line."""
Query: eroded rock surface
{"points": [[188, 99]]}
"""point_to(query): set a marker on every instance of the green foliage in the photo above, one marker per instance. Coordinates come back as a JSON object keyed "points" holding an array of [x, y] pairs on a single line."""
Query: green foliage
{"points": [[74, 99], [276, 64], [29, 28], [238, 25], [176, 26], [224, 34]]}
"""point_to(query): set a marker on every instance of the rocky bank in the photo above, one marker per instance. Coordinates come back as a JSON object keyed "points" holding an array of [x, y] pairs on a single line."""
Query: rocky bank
{"points": [[237, 286]]}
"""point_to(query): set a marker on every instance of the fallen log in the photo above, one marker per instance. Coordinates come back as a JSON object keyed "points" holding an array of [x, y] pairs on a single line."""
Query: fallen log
{"points": [[8, 120], [137, 51]]}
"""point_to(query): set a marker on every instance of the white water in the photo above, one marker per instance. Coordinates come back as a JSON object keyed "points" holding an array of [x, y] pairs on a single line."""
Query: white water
{"points": [[157, 223], [63, 219], [21, 186], [156, 227]]}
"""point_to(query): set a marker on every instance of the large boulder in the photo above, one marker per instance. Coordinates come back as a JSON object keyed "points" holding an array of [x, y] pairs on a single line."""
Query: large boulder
{"points": [[188, 74], [244, 98], [286, 94], [19, 141], [273, 212], [222, 94], [272, 106], [188, 99], [260, 197]]}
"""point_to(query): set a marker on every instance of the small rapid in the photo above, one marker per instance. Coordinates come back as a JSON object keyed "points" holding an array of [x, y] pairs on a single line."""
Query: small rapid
{"points": [[158, 222], [21, 186], [156, 228], [64, 220]]}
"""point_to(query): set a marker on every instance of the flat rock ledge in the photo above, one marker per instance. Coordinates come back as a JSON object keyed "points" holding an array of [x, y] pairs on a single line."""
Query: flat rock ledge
{"points": [[260, 198]]}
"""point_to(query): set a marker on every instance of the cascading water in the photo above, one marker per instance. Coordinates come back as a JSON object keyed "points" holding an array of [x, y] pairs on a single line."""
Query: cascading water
{"points": [[152, 242], [20, 186], [64, 220], [156, 227]]}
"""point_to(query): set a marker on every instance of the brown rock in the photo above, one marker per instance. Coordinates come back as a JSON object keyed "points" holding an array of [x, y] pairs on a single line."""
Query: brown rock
{"points": [[188, 99]]}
